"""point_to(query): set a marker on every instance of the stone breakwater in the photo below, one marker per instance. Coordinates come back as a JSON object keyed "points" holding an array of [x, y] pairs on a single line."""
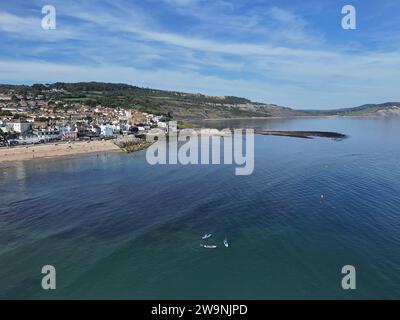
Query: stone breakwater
{"points": [[131, 144], [303, 134]]}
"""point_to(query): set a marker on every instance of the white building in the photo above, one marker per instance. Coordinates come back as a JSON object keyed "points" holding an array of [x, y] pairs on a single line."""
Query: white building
{"points": [[47, 135], [162, 124], [106, 130], [128, 114], [21, 126]]}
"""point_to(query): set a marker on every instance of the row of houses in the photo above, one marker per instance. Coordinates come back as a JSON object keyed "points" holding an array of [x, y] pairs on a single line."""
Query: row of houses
{"points": [[30, 119], [23, 131]]}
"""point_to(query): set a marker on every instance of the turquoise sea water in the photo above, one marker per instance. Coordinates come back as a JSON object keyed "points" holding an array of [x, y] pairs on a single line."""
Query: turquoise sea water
{"points": [[115, 227]]}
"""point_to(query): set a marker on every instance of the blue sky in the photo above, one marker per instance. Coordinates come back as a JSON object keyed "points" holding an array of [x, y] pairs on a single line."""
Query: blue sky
{"points": [[292, 53]]}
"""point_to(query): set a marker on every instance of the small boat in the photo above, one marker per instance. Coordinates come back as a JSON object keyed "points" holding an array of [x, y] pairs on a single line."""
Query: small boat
{"points": [[226, 244], [206, 236], [209, 246]]}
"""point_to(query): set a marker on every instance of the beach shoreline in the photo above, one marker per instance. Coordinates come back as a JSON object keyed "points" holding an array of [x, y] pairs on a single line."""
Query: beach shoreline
{"points": [[54, 150]]}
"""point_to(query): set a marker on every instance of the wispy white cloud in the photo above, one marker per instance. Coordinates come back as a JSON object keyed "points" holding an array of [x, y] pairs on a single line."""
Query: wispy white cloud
{"points": [[182, 2], [350, 93], [271, 55], [29, 27], [16, 24]]}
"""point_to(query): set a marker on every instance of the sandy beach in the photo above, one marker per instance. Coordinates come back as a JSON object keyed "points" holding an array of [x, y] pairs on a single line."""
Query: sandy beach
{"points": [[51, 150]]}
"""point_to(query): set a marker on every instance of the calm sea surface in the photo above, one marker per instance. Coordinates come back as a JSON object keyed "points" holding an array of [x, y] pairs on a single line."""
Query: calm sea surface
{"points": [[116, 227]]}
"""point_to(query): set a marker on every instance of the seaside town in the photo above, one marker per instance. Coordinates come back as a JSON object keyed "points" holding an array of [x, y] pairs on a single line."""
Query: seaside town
{"points": [[30, 120], [59, 119]]}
